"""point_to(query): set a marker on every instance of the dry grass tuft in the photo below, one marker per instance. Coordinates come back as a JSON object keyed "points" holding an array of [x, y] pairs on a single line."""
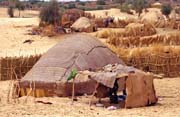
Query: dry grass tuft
{"points": [[140, 29], [110, 33], [48, 30]]}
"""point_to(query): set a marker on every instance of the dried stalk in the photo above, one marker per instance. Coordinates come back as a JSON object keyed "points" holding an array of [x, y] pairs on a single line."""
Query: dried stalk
{"points": [[30, 91]]}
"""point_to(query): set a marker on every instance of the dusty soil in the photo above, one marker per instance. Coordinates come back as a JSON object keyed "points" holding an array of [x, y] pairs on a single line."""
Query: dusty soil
{"points": [[14, 31], [168, 91], [25, 13]]}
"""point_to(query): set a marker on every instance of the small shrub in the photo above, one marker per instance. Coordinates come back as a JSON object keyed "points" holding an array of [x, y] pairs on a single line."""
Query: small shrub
{"points": [[82, 3], [166, 9], [101, 2], [82, 8], [100, 8], [118, 1], [10, 11], [125, 8], [139, 5], [20, 6], [50, 14], [71, 6]]}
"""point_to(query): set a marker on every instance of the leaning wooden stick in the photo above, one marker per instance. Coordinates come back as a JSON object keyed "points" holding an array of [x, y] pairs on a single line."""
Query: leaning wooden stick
{"points": [[95, 91], [73, 91], [29, 92]]}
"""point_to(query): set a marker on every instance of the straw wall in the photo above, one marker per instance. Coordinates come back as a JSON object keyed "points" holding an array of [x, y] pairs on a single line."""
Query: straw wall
{"points": [[137, 41], [16, 67], [158, 59], [144, 47], [100, 23], [167, 65]]}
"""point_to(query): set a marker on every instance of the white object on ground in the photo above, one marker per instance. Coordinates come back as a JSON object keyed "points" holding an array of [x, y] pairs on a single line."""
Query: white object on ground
{"points": [[112, 108], [99, 105]]}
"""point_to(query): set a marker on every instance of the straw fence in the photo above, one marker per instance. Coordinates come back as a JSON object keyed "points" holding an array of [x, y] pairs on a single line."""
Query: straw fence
{"points": [[168, 65], [137, 41], [157, 59], [16, 67]]}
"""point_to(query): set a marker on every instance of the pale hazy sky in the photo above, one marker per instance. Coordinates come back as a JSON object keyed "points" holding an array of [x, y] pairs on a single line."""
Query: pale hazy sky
{"points": [[63, 0]]}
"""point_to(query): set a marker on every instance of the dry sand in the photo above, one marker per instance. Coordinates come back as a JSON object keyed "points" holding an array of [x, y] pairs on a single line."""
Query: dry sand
{"points": [[14, 31], [168, 91], [25, 13]]}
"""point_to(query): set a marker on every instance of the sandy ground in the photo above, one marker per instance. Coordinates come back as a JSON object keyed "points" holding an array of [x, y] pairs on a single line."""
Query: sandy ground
{"points": [[25, 13], [14, 31], [168, 91]]}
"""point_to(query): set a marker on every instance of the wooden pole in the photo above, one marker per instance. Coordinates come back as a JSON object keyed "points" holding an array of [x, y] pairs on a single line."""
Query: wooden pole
{"points": [[95, 91], [73, 90]]}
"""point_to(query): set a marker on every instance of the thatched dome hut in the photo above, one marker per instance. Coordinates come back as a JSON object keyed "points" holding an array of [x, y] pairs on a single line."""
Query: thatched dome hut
{"points": [[81, 52], [156, 5], [140, 29], [155, 18], [83, 24], [70, 16]]}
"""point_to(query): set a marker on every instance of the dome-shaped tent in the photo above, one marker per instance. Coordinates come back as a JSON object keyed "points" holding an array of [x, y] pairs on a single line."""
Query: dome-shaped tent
{"points": [[49, 74]]}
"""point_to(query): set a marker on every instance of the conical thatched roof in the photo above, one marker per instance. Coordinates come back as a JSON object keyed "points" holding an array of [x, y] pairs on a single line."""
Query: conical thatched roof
{"points": [[156, 5], [79, 51], [140, 29], [155, 18]]}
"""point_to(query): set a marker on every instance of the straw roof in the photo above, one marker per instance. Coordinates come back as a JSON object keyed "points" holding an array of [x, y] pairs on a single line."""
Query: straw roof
{"points": [[156, 4], [154, 18], [82, 22]]}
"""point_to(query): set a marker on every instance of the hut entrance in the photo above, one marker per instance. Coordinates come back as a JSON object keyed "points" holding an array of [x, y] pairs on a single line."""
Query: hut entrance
{"points": [[123, 86]]}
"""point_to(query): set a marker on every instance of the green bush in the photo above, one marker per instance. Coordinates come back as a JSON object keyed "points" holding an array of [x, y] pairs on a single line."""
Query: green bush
{"points": [[71, 6], [82, 8], [125, 8], [90, 9], [166, 9], [50, 14], [82, 3], [101, 2], [10, 11], [20, 6], [100, 8], [119, 1], [139, 5]]}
